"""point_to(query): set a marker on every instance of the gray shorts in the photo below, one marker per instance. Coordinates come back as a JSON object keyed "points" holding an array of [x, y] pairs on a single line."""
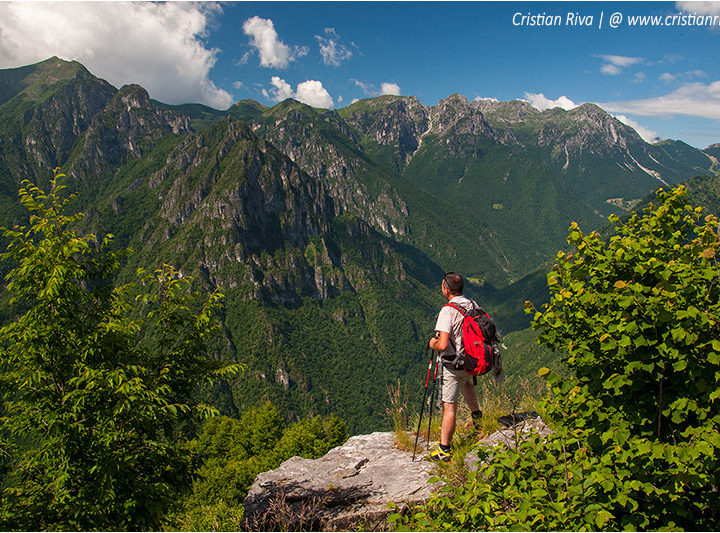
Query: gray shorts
{"points": [[452, 382]]}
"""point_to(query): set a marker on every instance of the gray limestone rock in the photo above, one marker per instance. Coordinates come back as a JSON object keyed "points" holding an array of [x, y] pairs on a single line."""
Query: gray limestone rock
{"points": [[508, 437], [352, 484]]}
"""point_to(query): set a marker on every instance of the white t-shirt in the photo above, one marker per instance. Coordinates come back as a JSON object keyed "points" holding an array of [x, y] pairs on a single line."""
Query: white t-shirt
{"points": [[450, 321]]}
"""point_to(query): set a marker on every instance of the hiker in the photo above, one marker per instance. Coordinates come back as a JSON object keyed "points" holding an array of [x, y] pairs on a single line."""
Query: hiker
{"points": [[448, 335]]}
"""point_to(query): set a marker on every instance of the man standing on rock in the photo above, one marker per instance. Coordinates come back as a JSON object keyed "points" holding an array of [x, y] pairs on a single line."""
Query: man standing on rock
{"points": [[448, 336]]}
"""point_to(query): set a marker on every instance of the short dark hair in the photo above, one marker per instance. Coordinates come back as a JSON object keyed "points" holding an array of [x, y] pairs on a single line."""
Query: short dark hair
{"points": [[454, 283]]}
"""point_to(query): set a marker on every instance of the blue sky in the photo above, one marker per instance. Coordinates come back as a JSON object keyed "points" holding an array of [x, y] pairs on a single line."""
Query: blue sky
{"points": [[663, 80]]}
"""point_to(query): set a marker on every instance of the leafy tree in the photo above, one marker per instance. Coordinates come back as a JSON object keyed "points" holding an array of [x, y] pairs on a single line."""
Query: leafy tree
{"points": [[637, 442], [638, 318], [97, 380]]}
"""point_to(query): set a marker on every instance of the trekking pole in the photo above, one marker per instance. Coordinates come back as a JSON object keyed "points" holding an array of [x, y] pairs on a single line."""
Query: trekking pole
{"points": [[432, 396], [422, 405]]}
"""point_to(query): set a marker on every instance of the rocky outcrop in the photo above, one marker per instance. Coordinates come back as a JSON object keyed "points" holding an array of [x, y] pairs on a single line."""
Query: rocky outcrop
{"points": [[351, 485]]}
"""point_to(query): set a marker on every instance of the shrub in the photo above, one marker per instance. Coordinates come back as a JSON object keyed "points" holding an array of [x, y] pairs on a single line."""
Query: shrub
{"points": [[637, 441]]}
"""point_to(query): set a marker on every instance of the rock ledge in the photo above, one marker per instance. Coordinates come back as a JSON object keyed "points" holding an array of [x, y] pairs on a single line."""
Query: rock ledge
{"points": [[351, 484]]}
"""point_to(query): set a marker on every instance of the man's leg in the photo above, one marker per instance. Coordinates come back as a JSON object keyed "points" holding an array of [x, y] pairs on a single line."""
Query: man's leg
{"points": [[448, 423], [470, 395]]}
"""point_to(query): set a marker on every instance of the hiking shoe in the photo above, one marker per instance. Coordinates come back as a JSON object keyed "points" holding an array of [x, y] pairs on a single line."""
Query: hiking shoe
{"points": [[438, 454]]}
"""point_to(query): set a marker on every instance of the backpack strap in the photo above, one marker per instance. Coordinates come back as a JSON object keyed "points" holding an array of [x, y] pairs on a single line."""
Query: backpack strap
{"points": [[459, 348], [476, 309], [457, 308]]}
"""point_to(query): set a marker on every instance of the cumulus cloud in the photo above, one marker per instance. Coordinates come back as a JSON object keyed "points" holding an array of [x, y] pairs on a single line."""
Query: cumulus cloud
{"points": [[692, 99], [310, 92], [333, 51], [273, 52], [667, 77], [313, 93], [647, 134], [281, 90], [112, 40], [614, 64], [541, 102], [701, 8], [486, 99], [390, 88]]}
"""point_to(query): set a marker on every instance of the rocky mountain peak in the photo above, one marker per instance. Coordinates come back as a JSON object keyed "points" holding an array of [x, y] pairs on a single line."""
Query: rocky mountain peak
{"points": [[134, 96], [395, 121], [457, 114], [128, 126], [511, 112]]}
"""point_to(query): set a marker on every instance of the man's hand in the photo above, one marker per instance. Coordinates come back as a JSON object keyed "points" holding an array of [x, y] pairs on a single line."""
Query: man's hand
{"points": [[440, 341]]}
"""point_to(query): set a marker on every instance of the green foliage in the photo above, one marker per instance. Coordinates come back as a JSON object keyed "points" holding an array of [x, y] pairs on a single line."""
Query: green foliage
{"points": [[230, 453], [637, 442], [637, 317], [95, 410]]}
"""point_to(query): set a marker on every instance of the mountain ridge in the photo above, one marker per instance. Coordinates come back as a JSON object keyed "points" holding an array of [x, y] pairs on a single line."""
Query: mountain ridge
{"points": [[329, 229]]}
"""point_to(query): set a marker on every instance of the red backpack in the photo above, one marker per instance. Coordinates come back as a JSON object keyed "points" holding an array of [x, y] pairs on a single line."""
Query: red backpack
{"points": [[480, 341]]}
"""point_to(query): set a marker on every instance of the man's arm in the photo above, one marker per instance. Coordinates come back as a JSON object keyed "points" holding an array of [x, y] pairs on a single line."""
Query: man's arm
{"points": [[440, 342]]}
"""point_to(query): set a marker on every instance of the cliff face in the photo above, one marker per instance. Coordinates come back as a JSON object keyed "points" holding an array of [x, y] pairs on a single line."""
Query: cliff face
{"points": [[328, 149], [44, 110], [127, 127]]}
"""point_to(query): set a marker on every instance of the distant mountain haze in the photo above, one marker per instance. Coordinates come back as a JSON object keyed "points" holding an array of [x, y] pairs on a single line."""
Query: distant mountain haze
{"points": [[328, 230]]}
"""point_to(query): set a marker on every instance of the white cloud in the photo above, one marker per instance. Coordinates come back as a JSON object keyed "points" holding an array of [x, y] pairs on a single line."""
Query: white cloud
{"points": [[692, 99], [541, 102], [273, 52], [310, 92], [647, 134], [333, 51], [639, 77], [701, 8], [667, 77], [612, 70], [696, 73], [614, 64], [369, 89], [354, 100], [282, 90], [390, 88], [238, 84], [313, 93], [112, 40], [621, 61], [486, 99]]}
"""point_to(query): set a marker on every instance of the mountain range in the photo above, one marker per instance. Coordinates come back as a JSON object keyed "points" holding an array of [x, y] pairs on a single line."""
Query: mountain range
{"points": [[329, 230]]}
